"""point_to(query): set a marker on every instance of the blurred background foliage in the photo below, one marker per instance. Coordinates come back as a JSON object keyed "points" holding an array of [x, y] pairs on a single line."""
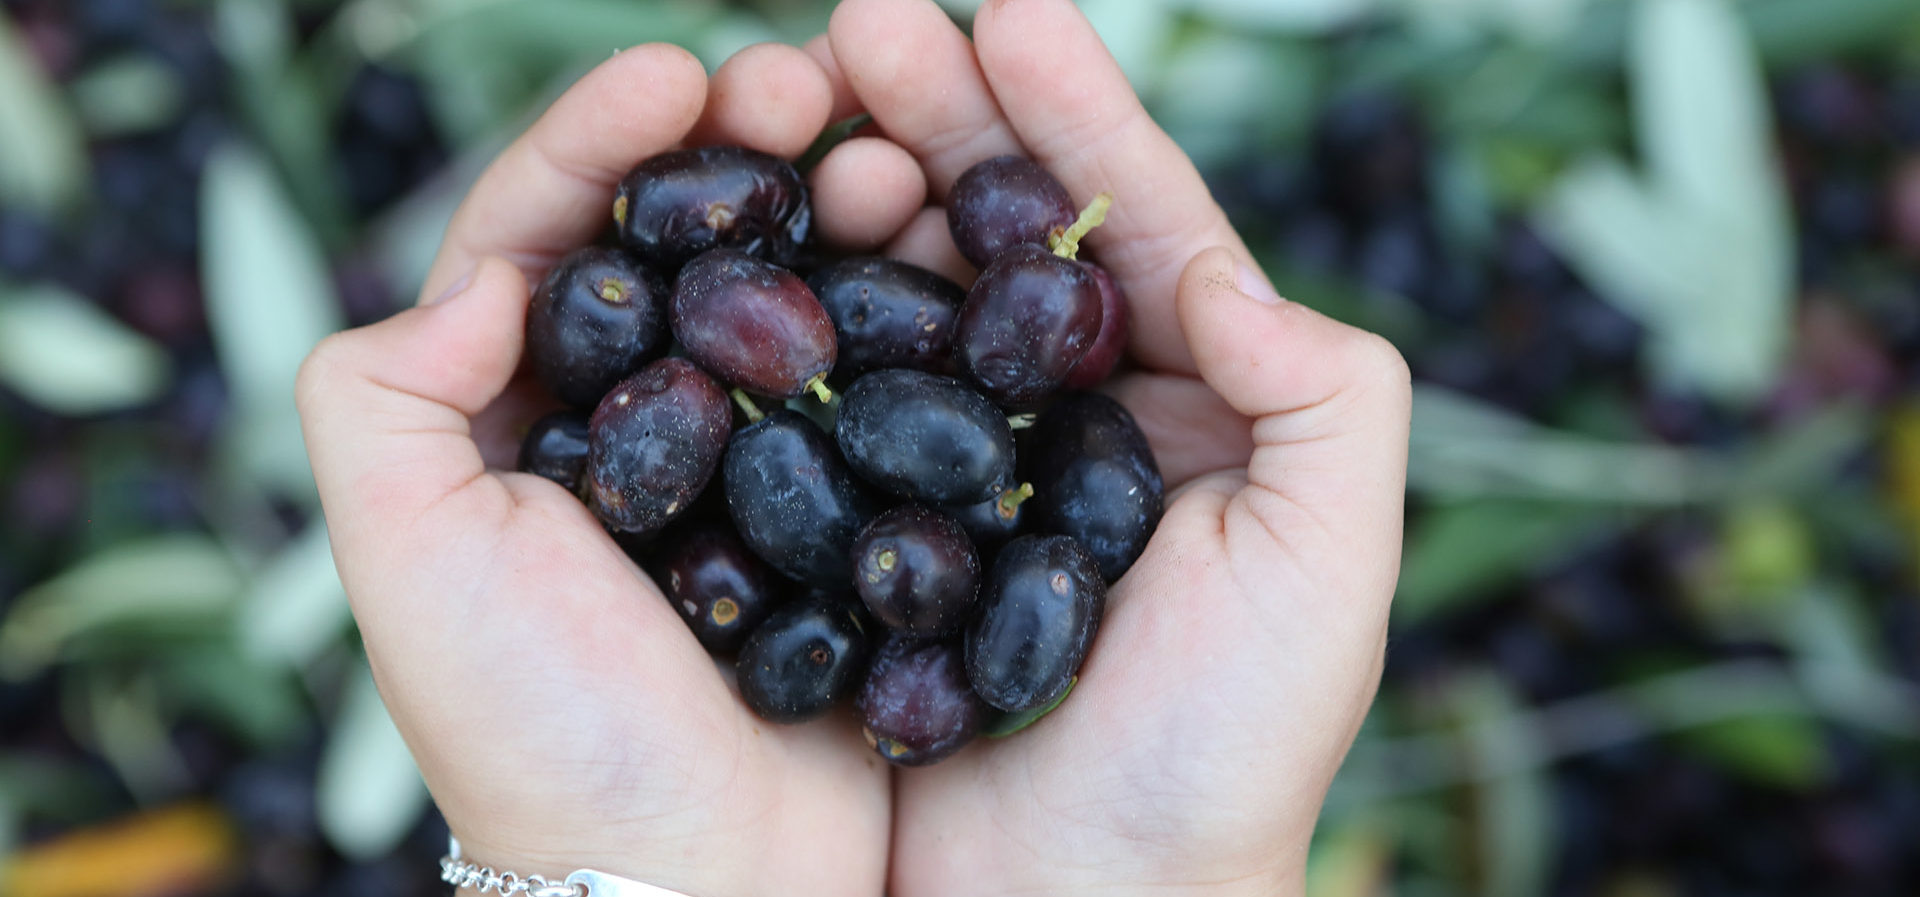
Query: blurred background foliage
{"points": [[1655, 263]]}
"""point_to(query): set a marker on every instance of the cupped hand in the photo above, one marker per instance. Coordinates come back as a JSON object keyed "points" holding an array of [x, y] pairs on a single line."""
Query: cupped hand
{"points": [[1241, 652], [561, 713]]}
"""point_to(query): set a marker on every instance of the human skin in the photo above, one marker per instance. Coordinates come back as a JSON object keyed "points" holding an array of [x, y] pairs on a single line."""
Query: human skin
{"points": [[564, 717]]}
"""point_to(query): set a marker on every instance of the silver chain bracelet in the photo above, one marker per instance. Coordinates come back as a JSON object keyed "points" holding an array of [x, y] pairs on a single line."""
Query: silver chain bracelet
{"points": [[580, 883]]}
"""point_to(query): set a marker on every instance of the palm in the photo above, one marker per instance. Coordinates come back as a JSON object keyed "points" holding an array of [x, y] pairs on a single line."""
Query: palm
{"points": [[606, 708], [1208, 656], [1239, 654], [561, 713]]}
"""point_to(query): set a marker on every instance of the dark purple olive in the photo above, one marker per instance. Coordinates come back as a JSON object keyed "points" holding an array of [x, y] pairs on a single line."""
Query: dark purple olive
{"points": [[794, 501], [1095, 479], [916, 706], [556, 448], [888, 314], [989, 524], [925, 437], [1028, 320], [753, 324], [716, 584], [1104, 355], [653, 444], [917, 571], [804, 658], [678, 205], [1003, 202], [1039, 611], [596, 318]]}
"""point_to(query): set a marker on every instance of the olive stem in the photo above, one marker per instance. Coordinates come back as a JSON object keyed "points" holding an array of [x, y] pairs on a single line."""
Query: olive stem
{"points": [[1066, 244], [818, 385], [1022, 421], [754, 415], [1012, 499]]}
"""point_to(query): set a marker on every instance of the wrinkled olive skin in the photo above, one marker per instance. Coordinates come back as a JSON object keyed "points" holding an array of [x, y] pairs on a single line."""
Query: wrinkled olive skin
{"points": [[916, 706], [597, 317], [1095, 479], [716, 585], [888, 314], [677, 205], [1003, 202], [1041, 607], [804, 658], [794, 501], [916, 571], [925, 437], [1110, 345], [652, 445], [555, 447], [752, 324], [1028, 320]]}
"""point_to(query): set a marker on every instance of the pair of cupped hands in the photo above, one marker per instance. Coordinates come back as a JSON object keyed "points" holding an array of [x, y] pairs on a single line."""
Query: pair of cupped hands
{"points": [[564, 717]]}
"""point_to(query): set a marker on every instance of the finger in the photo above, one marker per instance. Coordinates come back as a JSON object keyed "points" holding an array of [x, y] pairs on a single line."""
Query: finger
{"points": [[1074, 110], [387, 408], [770, 97], [914, 70], [864, 191], [1330, 405], [846, 103], [926, 242], [552, 190], [1191, 429]]}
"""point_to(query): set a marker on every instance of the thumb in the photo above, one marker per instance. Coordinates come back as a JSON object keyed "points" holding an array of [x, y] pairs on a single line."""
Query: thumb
{"points": [[385, 408], [1330, 404]]}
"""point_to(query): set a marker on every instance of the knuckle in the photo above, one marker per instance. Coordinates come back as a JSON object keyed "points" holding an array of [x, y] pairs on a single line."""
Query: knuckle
{"points": [[1379, 364], [322, 371]]}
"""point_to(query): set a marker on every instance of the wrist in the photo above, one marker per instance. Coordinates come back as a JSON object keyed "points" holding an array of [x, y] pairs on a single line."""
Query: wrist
{"points": [[485, 873]]}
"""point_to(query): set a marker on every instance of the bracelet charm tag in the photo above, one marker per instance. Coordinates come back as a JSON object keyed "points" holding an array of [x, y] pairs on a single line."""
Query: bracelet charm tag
{"points": [[601, 884]]}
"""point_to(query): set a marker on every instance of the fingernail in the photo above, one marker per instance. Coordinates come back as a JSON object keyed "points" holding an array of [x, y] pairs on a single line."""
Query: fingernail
{"points": [[458, 287], [1252, 285]]}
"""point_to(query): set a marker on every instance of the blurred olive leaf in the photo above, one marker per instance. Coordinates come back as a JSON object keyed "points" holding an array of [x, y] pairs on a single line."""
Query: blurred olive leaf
{"points": [[42, 151], [1790, 31], [287, 103], [1010, 723], [1780, 750], [528, 45], [1700, 247], [1462, 447], [1215, 126], [66, 355], [1354, 859], [1530, 20], [406, 238], [1135, 32], [128, 94], [1293, 15], [174, 577], [1460, 552], [1843, 667], [125, 722], [262, 704], [1513, 818], [369, 793], [296, 608], [270, 298]]}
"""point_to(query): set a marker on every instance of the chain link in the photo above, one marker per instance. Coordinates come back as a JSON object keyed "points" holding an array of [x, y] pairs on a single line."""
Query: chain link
{"points": [[462, 874]]}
